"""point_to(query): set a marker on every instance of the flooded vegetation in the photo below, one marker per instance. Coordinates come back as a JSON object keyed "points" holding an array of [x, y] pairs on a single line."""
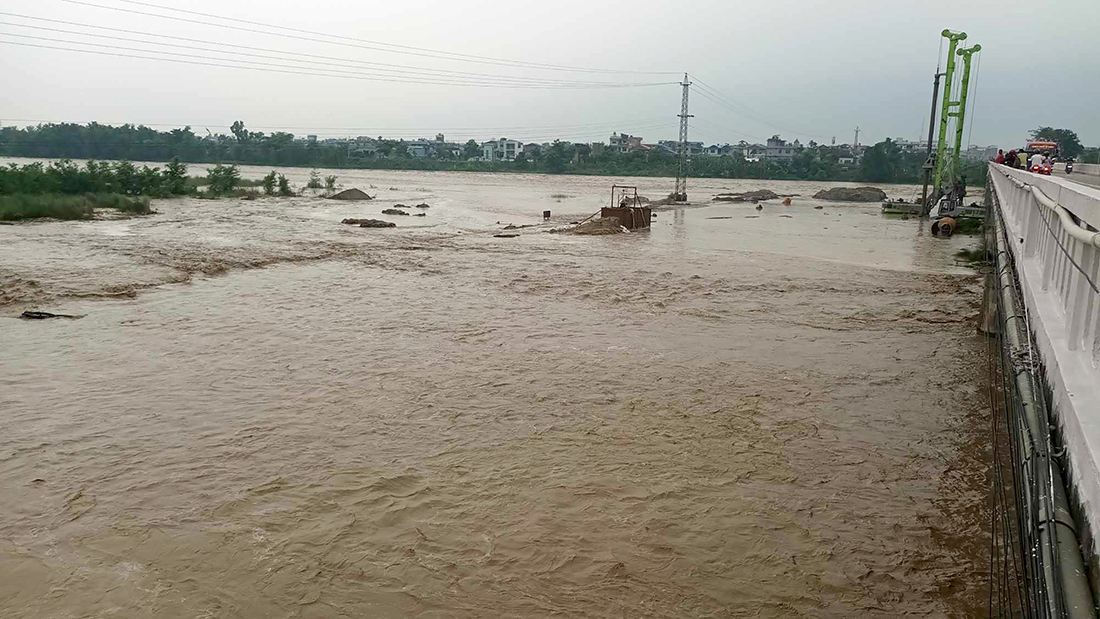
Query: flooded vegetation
{"points": [[264, 412]]}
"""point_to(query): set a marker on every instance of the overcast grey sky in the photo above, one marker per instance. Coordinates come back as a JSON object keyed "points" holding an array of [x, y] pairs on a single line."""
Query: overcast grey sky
{"points": [[803, 69]]}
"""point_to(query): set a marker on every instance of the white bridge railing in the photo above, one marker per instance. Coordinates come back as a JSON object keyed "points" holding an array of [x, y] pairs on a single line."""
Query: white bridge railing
{"points": [[1051, 224]]}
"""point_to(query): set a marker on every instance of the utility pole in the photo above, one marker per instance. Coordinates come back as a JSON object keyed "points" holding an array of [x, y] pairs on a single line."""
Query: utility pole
{"points": [[680, 194], [856, 143], [929, 160]]}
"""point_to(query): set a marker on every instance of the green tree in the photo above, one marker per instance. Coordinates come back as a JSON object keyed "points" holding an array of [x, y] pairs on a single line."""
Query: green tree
{"points": [[268, 183], [881, 162], [284, 186], [223, 179], [238, 130], [471, 150], [1069, 145], [330, 183], [314, 180], [175, 177]]}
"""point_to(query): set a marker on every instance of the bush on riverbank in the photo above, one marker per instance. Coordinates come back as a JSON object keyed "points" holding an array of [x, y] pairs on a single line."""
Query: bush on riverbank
{"points": [[59, 206], [96, 177]]}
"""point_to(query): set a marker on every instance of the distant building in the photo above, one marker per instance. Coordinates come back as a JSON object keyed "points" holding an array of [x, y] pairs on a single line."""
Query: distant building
{"points": [[625, 143], [312, 139], [421, 148], [501, 150], [715, 150], [672, 146], [362, 146], [980, 153], [778, 148], [910, 146], [532, 150]]}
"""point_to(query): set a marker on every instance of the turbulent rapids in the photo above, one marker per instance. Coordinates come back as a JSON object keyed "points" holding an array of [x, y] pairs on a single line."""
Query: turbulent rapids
{"points": [[266, 413]]}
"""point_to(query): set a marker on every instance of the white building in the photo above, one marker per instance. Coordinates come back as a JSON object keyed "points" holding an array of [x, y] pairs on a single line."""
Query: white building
{"points": [[910, 146], [980, 153], [672, 146], [779, 149], [501, 150]]}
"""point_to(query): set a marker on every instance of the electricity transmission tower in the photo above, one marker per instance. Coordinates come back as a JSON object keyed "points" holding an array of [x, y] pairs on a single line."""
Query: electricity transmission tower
{"points": [[680, 195]]}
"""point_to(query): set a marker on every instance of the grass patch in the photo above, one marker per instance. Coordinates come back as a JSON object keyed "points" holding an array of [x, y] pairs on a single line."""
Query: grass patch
{"points": [[971, 255], [59, 206], [967, 225]]}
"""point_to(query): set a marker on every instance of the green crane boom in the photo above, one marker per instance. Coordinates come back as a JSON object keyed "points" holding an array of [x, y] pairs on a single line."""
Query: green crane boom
{"points": [[941, 146]]}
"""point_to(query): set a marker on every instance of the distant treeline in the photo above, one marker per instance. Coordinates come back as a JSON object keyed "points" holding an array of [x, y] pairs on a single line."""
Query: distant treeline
{"points": [[882, 163]]}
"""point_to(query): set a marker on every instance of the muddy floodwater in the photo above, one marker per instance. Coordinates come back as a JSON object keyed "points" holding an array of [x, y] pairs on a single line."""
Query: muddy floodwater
{"points": [[265, 413]]}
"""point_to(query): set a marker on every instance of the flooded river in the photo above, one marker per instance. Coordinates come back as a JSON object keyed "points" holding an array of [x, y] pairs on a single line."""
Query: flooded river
{"points": [[265, 413]]}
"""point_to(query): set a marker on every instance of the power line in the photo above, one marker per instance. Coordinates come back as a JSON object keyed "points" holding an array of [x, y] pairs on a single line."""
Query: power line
{"points": [[320, 73], [311, 64], [609, 124], [733, 105], [733, 131], [361, 43], [405, 68]]}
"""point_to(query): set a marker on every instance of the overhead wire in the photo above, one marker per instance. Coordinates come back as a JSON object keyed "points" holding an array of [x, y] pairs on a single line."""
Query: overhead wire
{"points": [[322, 72], [387, 66], [974, 101], [724, 128], [358, 42], [311, 64], [740, 108]]}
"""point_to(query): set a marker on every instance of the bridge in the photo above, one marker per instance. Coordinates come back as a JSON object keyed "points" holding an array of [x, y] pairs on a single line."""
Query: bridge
{"points": [[1043, 311]]}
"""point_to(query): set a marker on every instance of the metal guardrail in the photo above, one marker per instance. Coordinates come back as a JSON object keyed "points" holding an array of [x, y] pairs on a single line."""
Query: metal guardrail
{"points": [[1036, 559], [1068, 249]]}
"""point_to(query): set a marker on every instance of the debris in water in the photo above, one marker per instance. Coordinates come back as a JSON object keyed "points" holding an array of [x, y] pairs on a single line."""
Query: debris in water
{"points": [[505, 236], [748, 196], [423, 205], [787, 216], [852, 194], [351, 194], [603, 225], [818, 207], [719, 217], [30, 315], [376, 223], [393, 211], [759, 207]]}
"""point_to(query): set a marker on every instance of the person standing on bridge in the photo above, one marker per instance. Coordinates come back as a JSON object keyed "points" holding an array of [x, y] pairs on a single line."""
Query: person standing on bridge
{"points": [[1021, 160], [1000, 156], [1010, 159]]}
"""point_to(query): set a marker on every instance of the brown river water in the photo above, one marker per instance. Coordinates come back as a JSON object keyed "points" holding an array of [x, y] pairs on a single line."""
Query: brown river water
{"points": [[265, 413]]}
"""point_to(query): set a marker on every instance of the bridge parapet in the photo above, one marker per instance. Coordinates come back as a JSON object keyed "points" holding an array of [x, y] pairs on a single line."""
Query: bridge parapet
{"points": [[1051, 225]]}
